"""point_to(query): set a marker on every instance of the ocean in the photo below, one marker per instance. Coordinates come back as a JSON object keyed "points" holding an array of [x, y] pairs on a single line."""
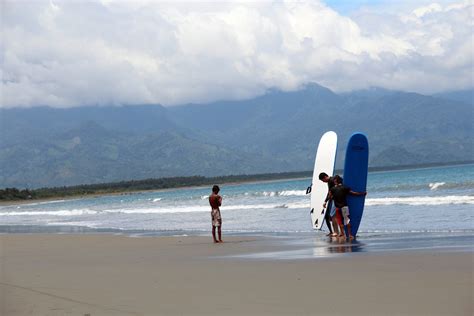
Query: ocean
{"points": [[432, 200]]}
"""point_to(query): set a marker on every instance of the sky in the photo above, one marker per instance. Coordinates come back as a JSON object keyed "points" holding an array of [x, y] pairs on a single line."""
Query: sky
{"points": [[75, 53]]}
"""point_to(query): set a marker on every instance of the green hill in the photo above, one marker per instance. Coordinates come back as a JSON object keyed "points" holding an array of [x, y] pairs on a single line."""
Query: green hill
{"points": [[276, 132]]}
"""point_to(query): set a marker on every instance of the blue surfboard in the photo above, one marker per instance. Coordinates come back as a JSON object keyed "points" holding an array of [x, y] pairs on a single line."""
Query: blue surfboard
{"points": [[355, 176]]}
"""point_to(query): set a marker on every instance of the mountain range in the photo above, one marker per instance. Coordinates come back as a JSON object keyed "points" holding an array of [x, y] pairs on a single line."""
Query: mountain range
{"points": [[276, 132]]}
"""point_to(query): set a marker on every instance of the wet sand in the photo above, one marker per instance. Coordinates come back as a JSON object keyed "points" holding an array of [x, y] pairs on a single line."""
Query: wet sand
{"points": [[94, 274]]}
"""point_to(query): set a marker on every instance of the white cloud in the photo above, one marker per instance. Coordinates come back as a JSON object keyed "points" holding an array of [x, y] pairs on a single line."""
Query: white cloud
{"points": [[68, 53]]}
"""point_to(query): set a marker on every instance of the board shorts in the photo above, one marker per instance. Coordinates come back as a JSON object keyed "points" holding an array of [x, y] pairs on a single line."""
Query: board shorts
{"points": [[216, 217], [333, 210], [343, 213]]}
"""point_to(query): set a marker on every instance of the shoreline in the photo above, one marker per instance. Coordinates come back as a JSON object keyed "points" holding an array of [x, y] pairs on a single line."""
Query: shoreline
{"points": [[228, 183], [46, 274], [294, 245]]}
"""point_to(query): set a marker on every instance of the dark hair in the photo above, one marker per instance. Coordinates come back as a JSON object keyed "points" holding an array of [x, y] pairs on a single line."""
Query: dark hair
{"points": [[338, 179], [323, 175], [215, 189]]}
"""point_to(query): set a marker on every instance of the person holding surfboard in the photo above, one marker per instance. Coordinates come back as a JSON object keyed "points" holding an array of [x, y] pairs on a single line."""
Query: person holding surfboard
{"points": [[338, 194], [215, 200], [329, 216]]}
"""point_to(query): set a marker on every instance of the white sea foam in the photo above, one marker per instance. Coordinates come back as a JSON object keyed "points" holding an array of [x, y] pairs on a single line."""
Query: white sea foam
{"points": [[298, 205], [193, 209], [285, 193], [292, 193], [422, 200], [415, 201], [435, 185], [83, 224], [154, 210], [73, 212], [50, 202], [43, 203], [251, 207], [157, 199]]}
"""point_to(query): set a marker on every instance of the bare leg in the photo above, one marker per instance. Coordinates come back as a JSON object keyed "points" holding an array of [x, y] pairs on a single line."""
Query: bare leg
{"points": [[341, 231], [349, 231], [214, 233], [339, 221], [327, 219], [220, 233], [336, 227]]}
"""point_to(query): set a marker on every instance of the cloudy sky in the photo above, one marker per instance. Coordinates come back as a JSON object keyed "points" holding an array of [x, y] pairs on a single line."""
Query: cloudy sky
{"points": [[71, 53]]}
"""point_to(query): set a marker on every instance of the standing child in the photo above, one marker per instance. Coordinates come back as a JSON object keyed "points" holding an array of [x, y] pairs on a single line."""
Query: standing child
{"points": [[338, 194], [215, 200]]}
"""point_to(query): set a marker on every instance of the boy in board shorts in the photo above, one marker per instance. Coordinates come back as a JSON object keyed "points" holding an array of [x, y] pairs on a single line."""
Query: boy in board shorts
{"points": [[215, 200], [338, 194]]}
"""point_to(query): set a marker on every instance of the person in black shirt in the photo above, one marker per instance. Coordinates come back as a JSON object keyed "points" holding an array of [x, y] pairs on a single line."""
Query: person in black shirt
{"points": [[338, 194], [330, 212]]}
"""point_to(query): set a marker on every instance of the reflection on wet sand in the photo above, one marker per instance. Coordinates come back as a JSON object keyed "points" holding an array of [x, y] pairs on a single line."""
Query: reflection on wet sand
{"points": [[334, 245], [317, 247], [341, 245]]}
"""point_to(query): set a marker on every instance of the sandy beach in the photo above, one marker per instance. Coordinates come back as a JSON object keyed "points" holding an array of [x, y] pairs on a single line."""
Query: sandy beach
{"points": [[54, 274]]}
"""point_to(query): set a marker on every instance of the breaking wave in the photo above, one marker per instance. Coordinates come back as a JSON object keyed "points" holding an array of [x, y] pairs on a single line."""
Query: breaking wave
{"points": [[434, 186], [74, 212], [424, 186], [285, 193], [303, 204], [422, 200]]}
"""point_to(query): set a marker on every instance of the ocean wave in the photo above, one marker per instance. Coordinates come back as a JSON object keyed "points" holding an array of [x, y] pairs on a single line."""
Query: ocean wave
{"points": [[435, 185], [38, 203], [195, 209], [73, 212], [424, 186], [82, 224], [408, 187], [421, 200], [153, 210], [292, 193], [413, 201], [159, 210], [283, 193]]}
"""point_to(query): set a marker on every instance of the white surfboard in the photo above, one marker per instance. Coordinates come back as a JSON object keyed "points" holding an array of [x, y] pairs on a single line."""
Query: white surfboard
{"points": [[325, 160]]}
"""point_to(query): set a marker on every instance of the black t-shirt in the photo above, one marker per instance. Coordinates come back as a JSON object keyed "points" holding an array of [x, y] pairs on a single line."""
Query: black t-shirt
{"points": [[331, 184], [339, 194]]}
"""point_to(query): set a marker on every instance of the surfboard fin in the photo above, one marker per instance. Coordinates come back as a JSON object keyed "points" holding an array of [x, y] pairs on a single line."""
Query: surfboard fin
{"points": [[322, 212], [308, 190], [312, 210]]}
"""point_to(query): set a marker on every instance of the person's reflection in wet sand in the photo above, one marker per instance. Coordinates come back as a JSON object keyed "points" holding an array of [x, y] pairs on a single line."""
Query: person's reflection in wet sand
{"points": [[341, 245]]}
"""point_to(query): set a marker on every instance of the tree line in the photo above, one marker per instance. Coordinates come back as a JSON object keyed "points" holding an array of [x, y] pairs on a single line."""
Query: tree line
{"points": [[12, 194]]}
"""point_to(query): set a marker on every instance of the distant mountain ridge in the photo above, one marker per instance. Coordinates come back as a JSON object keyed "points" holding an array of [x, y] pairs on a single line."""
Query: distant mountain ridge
{"points": [[466, 96], [275, 132]]}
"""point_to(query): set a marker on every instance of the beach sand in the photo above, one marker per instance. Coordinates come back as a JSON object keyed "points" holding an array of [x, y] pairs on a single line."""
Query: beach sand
{"points": [[105, 274]]}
